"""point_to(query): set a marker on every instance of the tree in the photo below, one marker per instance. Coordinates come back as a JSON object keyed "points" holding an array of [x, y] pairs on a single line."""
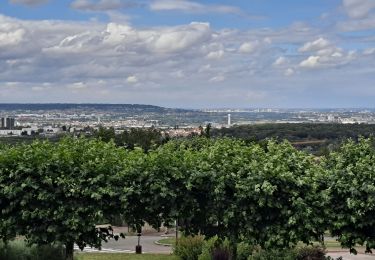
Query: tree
{"points": [[263, 195], [105, 134], [59, 193], [351, 172], [268, 195]]}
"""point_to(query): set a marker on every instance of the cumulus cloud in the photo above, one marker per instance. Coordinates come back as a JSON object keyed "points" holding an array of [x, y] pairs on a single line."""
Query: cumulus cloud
{"points": [[218, 78], [28, 2], [289, 72], [280, 61], [132, 79], [361, 15], [77, 86], [167, 64], [248, 47], [325, 54], [316, 45], [358, 8], [310, 62], [215, 55], [12, 37]]}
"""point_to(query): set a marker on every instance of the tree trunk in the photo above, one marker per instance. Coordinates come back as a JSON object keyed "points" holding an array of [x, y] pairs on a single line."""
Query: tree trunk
{"points": [[69, 247]]}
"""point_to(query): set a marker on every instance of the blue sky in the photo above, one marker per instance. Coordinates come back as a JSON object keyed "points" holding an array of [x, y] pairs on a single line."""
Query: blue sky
{"points": [[184, 53]]}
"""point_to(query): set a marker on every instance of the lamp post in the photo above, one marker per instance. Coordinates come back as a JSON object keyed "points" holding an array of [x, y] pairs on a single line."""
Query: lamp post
{"points": [[138, 248]]}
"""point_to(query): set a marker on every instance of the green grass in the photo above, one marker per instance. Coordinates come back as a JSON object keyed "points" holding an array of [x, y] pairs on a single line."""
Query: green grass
{"points": [[167, 241], [123, 256]]}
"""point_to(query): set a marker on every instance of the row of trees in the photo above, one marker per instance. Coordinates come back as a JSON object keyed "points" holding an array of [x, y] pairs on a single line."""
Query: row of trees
{"points": [[266, 194]]}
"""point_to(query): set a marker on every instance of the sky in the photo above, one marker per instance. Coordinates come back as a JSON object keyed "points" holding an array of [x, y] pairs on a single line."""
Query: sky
{"points": [[189, 54]]}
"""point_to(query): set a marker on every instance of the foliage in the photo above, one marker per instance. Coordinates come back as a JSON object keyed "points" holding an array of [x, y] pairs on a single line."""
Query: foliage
{"points": [[320, 138], [352, 192], [273, 254], [58, 193], [298, 253], [216, 248], [310, 252], [265, 195], [145, 138], [18, 250], [189, 247], [244, 250]]}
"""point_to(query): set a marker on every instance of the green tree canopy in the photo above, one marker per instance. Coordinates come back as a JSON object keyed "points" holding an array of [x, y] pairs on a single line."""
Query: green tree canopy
{"points": [[352, 192], [59, 193]]}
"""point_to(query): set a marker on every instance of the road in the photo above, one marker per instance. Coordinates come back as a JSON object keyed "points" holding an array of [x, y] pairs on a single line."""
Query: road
{"points": [[128, 244], [348, 256]]}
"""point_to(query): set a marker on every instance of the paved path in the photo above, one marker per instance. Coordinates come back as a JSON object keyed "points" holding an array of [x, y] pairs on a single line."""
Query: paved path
{"points": [[128, 244], [348, 256]]}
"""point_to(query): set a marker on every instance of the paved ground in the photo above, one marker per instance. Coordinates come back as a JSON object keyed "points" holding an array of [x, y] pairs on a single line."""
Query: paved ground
{"points": [[348, 256], [128, 244]]}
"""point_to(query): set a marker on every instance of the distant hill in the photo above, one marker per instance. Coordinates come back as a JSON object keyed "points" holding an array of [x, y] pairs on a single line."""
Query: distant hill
{"points": [[69, 106]]}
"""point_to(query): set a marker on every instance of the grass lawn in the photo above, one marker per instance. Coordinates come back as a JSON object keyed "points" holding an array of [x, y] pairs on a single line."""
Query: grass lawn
{"points": [[123, 256], [167, 241]]}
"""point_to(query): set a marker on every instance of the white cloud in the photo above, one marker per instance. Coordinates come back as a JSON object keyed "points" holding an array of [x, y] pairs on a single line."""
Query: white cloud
{"points": [[170, 64], [358, 8], [280, 61], [310, 62], [289, 72], [216, 79], [316, 45], [215, 55], [132, 79], [367, 23], [28, 2], [77, 86], [369, 51], [180, 38], [248, 47], [360, 13], [11, 37]]}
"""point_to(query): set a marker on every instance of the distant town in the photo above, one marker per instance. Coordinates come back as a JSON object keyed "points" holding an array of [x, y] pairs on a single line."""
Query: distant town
{"points": [[54, 119]]}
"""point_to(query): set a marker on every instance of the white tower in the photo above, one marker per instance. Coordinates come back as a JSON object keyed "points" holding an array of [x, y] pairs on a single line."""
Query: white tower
{"points": [[229, 120]]}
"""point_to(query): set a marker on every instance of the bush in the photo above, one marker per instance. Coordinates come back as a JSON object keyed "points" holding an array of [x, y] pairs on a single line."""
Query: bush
{"points": [[310, 253], [273, 255], [215, 248], [299, 253], [244, 250], [18, 250], [189, 248]]}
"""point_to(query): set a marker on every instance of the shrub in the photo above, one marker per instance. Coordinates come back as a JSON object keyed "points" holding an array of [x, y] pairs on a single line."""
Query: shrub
{"points": [[215, 248], [18, 250], [244, 250], [310, 253], [299, 253], [273, 255], [208, 246], [189, 248]]}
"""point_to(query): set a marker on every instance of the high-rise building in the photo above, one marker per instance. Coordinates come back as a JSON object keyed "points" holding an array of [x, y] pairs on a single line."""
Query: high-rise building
{"points": [[229, 122], [7, 122]]}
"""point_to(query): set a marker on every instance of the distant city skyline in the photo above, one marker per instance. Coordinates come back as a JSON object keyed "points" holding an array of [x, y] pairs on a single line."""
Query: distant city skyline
{"points": [[189, 54]]}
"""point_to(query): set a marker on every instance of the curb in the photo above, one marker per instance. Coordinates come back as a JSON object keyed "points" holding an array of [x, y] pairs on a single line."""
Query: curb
{"points": [[161, 244]]}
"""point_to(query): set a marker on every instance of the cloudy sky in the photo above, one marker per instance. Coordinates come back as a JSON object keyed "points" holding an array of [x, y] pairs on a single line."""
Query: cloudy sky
{"points": [[190, 54]]}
